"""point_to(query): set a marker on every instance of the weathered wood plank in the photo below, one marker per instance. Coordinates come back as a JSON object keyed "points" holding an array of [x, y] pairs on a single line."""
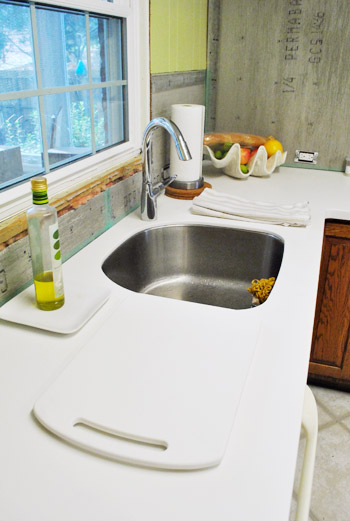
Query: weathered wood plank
{"points": [[284, 70]]}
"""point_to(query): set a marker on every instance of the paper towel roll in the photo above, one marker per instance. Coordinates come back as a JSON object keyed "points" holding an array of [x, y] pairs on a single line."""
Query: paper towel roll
{"points": [[190, 120]]}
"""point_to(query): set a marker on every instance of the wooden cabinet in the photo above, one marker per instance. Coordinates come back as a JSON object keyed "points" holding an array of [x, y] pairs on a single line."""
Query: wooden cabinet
{"points": [[330, 352]]}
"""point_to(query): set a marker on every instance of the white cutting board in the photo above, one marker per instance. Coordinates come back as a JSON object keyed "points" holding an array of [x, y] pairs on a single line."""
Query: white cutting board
{"points": [[160, 383]]}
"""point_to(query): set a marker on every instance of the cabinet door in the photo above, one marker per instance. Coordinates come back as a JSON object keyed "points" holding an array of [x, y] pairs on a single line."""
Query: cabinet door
{"points": [[330, 353]]}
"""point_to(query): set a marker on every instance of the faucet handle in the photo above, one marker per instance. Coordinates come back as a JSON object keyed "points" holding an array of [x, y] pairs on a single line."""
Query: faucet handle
{"points": [[166, 180], [157, 189]]}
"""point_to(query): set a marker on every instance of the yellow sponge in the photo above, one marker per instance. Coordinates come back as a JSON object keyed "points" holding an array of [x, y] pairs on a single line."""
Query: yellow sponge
{"points": [[261, 288]]}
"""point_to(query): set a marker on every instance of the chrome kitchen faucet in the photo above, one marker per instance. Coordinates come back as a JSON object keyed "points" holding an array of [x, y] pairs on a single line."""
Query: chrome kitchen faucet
{"points": [[150, 192]]}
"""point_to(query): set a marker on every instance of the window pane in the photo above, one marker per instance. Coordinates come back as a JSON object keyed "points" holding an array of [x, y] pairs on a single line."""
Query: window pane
{"points": [[17, 71], [106, 49], [68, 126], [109, 117], [62, 43], [64, 88], [20, 140]]}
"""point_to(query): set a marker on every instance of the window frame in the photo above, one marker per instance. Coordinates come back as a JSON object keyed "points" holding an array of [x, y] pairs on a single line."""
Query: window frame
{"points": [[65, 179]]}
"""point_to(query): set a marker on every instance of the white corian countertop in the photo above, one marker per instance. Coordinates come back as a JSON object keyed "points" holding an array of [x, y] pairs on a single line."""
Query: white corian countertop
{"points": [[44, 478]]}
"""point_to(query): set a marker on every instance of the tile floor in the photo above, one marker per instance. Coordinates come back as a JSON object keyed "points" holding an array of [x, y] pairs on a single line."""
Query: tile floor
{"points": [[331, 487]]}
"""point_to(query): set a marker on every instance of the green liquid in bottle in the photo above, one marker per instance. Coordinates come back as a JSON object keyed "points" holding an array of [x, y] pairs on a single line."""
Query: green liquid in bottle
{"points": [[45, 292]]}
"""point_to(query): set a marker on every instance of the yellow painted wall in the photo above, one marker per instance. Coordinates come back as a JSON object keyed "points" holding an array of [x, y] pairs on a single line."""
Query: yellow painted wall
{"points": [[178, 35]]}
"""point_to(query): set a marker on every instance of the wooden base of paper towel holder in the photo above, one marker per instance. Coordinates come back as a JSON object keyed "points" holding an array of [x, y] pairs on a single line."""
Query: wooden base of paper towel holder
{"points": [[178, 193]]}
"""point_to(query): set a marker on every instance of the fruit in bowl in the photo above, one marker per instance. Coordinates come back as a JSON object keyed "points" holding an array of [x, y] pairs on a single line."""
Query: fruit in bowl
{"points": [[222, 150], [272, 145], [240, 155]]}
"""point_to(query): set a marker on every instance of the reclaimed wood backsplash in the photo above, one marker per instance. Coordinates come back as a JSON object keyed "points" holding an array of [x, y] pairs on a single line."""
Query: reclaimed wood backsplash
{"points": [[284, 70]]}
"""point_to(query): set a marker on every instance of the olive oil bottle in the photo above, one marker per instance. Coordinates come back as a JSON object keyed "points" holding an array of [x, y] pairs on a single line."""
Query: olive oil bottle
{"points": [[45, 248]]}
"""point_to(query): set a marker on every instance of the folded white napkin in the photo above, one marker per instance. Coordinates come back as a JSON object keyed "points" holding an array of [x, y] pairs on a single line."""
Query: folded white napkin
{"points": [[217, 204]]}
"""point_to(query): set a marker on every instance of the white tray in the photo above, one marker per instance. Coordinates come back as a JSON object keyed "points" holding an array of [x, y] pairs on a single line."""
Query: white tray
{"points": [[82, 300]]}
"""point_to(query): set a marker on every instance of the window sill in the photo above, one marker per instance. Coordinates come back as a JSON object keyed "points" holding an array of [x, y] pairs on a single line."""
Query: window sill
{"points": [[66, 179]]}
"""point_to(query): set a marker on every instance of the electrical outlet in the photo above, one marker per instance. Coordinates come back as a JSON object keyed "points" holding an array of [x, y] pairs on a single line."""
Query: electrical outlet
{"points": [[301, 156]]}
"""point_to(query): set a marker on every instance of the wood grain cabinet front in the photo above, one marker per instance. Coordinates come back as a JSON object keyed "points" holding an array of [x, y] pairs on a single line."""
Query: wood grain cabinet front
{"points": [[330, 353]]}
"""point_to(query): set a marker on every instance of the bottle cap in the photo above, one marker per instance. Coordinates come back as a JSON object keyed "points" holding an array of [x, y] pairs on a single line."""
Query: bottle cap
{"points": [[39, 190], [39, 184]]}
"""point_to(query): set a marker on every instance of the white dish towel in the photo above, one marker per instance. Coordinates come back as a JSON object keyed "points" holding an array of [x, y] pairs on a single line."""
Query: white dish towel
{"points": [[217, 204]]}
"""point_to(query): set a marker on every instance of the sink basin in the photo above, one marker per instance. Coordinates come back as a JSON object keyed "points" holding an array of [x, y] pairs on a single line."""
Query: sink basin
{"points": [[198, 263]]}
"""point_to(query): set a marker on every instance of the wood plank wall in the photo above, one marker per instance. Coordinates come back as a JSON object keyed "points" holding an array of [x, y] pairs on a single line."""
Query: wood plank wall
{"points": [[284, 70]]}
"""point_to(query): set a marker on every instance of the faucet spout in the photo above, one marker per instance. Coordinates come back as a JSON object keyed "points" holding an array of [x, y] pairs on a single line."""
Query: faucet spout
{"points": [[150, 192]]}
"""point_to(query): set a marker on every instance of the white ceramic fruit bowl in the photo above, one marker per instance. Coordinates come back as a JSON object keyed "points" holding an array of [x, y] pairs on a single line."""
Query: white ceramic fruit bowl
{"points": [[259, 165]]}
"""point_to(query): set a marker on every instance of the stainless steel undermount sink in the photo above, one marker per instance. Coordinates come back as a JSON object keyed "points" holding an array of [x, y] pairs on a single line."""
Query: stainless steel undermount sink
{"points": [[198, 263]]}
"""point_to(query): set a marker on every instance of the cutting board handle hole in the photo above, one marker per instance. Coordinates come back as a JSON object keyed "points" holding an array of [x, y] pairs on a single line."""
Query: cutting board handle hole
{"points": [[98, 431]]}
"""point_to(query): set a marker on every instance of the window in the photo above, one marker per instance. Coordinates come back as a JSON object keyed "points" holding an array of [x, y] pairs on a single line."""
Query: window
{"points": [[70, 86]]}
